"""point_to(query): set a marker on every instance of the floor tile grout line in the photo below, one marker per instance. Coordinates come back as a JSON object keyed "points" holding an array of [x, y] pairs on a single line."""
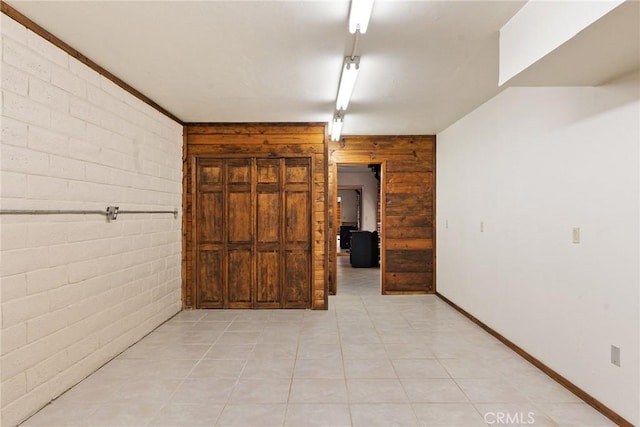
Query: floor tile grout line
{"points": [[203, 357], [370, 312], [168, 401], [293, 372], [344, 369]]}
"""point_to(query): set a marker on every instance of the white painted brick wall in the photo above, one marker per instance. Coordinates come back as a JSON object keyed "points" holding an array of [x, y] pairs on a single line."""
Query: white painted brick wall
{"points": [[12, 287], [14, 132], [77, 290], [20, 56], [15, 80]]}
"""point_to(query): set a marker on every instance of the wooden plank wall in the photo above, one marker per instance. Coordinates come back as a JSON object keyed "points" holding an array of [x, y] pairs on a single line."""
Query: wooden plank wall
{"points": [[261, 140], [408, 207]]}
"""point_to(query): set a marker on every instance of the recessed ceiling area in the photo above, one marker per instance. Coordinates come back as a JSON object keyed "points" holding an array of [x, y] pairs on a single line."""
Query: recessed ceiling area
{"points": [[424, 64], [602, 52]]}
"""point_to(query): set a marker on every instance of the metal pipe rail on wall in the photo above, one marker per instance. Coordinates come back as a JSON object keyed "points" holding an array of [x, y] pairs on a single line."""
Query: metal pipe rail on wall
{"points": [[111, 212]]}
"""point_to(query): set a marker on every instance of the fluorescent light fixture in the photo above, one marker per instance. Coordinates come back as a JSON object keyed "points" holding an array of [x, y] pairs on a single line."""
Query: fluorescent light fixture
{"points": [[347, 81], [359, 15], [336, 125]]}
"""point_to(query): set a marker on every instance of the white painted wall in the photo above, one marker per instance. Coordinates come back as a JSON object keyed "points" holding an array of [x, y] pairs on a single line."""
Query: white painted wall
{"points": [[78, 290], [541, 26], [369, 196], [533, 163], [349, 204]]}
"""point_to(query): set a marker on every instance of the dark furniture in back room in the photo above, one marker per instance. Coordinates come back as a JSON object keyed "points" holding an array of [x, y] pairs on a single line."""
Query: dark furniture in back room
{"points": [[345, 235], [364, 249]]}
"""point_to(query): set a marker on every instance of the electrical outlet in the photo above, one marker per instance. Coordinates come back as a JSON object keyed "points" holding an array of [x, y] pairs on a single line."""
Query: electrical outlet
{"points": [[615, 355], [482, 226], [446, 223], [576, 235]]}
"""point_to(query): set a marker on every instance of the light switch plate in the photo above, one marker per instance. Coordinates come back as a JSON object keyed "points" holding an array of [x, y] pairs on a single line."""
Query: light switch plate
{"points": [[576, 235], [615, 355]]}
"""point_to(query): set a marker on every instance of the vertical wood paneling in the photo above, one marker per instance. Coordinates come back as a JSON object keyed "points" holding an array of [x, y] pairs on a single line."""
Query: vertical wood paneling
{"points": [[407, 211], [332, 225], [186, 201]]}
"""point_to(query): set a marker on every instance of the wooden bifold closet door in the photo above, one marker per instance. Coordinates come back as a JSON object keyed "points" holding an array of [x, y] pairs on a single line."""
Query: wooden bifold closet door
{"points": [[253, 233]]}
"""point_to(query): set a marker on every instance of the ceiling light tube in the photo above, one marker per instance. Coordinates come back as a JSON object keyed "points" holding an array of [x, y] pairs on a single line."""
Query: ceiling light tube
{"points": [[336, 125], [347, 81], [359, 15]]}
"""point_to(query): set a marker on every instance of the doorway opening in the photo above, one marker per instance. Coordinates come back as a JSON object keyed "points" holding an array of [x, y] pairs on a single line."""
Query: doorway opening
{"points": [[359, 224], [348, 215]]}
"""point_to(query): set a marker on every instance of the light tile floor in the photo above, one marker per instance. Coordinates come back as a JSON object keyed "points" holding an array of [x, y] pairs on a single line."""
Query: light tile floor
{"points": [[370, 360]]}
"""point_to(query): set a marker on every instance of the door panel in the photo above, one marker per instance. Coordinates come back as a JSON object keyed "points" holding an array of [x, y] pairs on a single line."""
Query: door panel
{"points": [[210, 282], [209, 219], [268, 287], [297, 279], [210, 290], [239, 171], [297, 219], [297, 237], [239, 278], [268, 217], [268, 279], [297, 171], [239, 217], [211, 176], [268, 171], [253, 233], [239, 242]]}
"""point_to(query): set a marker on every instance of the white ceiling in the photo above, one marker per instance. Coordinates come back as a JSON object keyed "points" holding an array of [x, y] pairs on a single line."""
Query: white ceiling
{"points": [[424, 64]]}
